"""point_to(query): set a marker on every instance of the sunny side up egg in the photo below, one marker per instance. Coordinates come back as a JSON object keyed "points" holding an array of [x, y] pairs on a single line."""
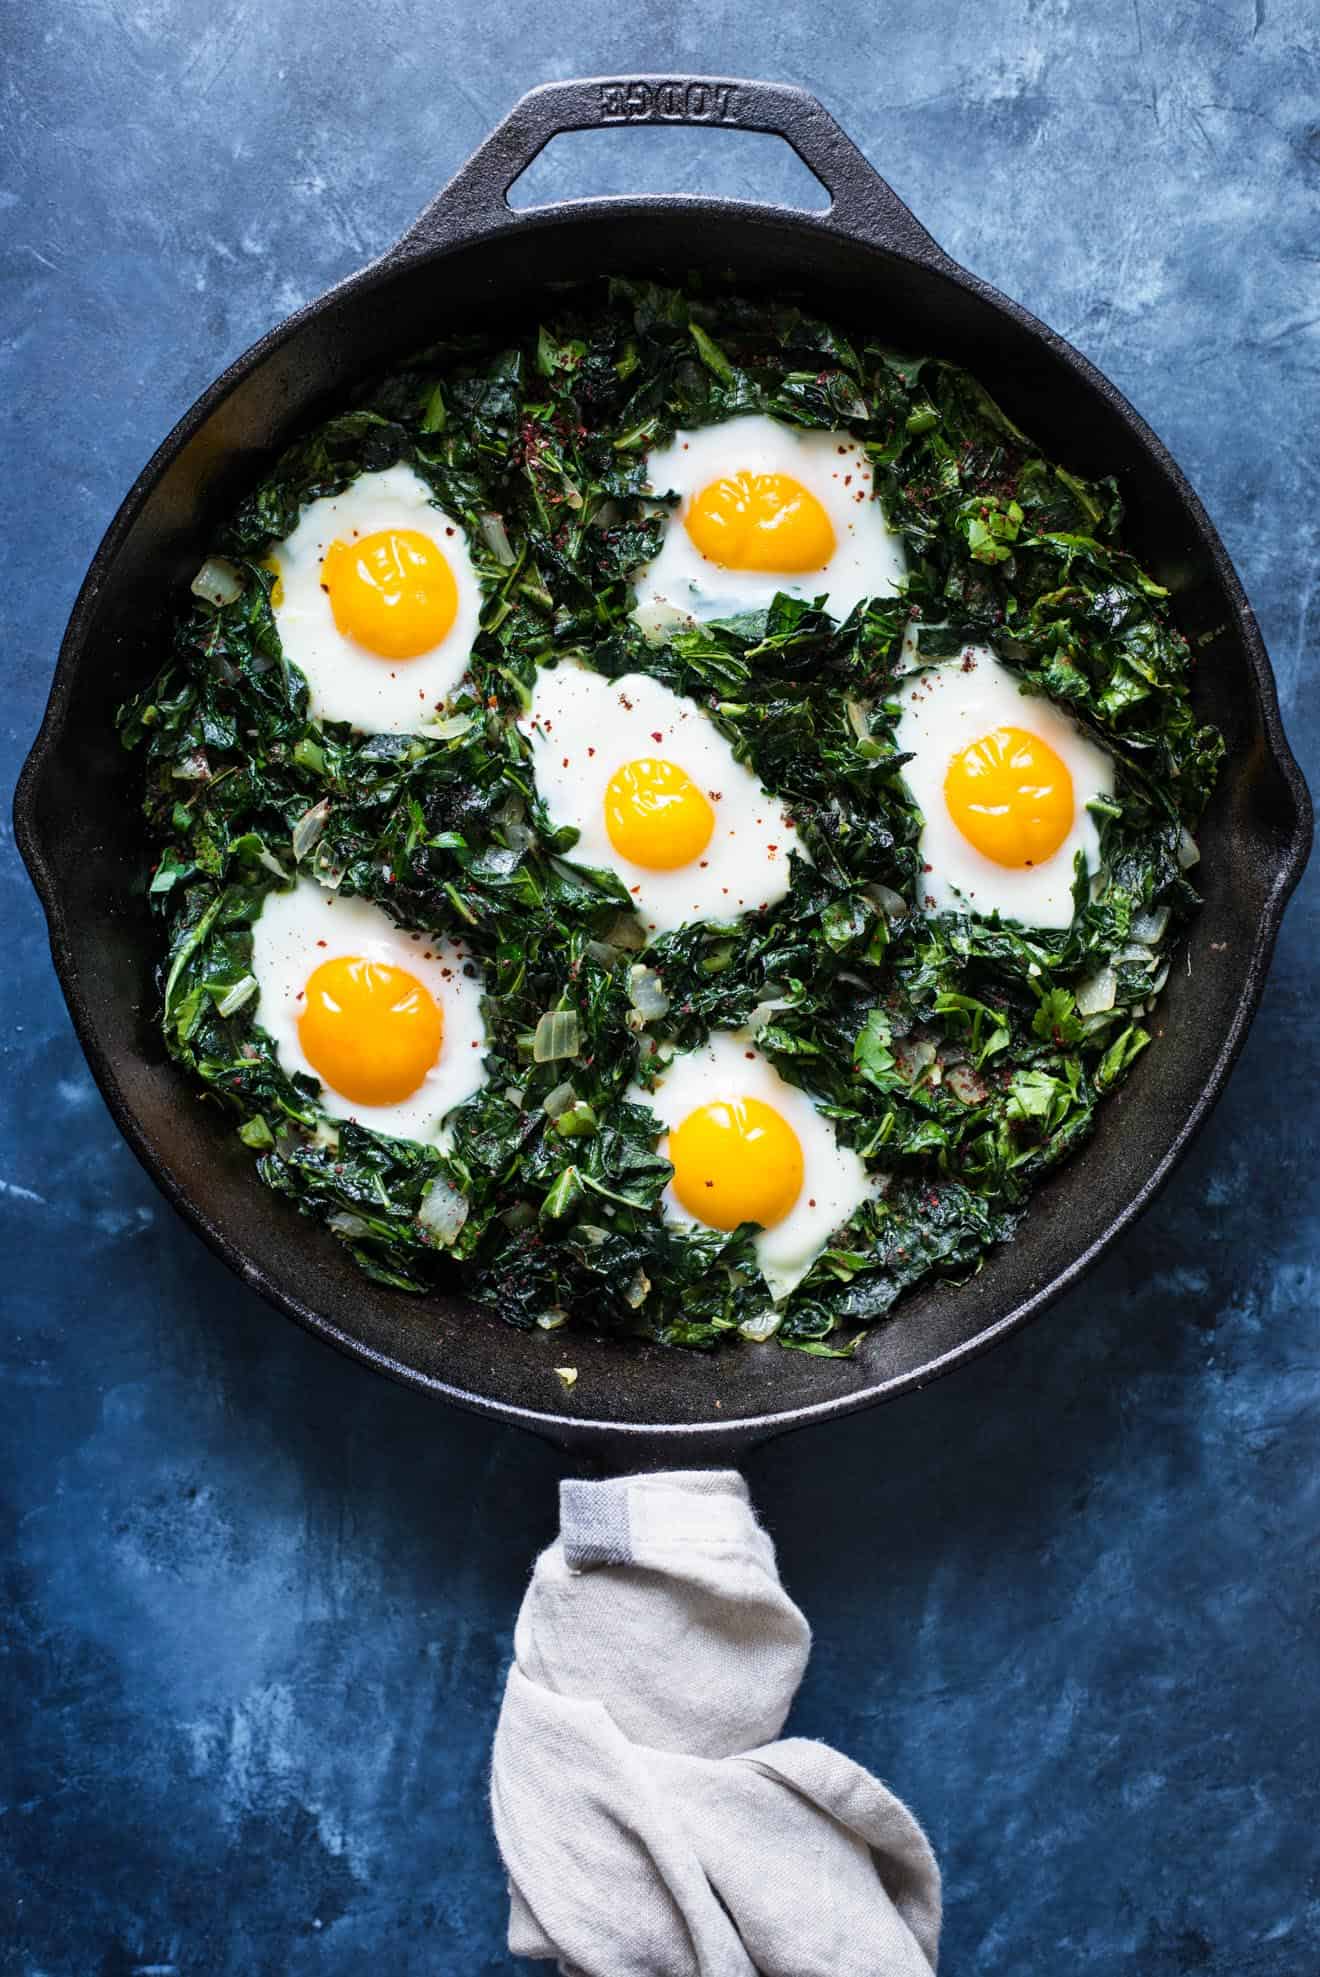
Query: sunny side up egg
{"points": [[389, 1022], [377, 603], [747, 1147], [652, 787], [764, 507], [1002, 780]]}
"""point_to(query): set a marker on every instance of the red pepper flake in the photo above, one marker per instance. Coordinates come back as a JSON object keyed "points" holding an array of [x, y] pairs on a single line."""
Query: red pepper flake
{"points": [[657, 734]]}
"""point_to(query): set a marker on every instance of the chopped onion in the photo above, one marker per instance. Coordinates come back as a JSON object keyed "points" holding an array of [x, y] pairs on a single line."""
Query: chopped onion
{"points": [[602, 952], [1189, 852], [966, 1084], [449, 729], [1097, 992], [646, 993], [235, 996], [892, 904], [345, 1224], [307, 831], [551, 1320], [496, 538], [625, 932], [568, 1375], [657, 618], [557, 1035], [763, 1326], [913, 1057], [1148, 928], [217, 582], [858, 719], [192, 768], [443, 1211], [765, 1012], [638, 1290], [557, 1101], [1135, 951], [272, 864]]}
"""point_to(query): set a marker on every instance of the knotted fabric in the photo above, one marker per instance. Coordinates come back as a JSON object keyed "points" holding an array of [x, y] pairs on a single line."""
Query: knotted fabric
{"points": [[652, 1821]]}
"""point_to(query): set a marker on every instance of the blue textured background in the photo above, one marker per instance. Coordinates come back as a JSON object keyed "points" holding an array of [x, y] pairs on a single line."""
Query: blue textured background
{"points": [[256, 1604]]}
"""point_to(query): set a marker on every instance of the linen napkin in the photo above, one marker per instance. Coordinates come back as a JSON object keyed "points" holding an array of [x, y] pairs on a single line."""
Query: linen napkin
{"points": [[652, 1821]]}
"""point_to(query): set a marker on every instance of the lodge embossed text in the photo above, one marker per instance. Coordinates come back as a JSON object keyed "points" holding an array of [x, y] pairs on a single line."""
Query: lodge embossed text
{"points": [[667, 102]]}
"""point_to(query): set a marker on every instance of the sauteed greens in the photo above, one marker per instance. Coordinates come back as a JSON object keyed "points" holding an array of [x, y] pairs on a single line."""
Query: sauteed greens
{"points": [[963, 1058]]}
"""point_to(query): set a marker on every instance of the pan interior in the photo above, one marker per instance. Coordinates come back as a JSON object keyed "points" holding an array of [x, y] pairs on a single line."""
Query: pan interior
{"points": [[83, 835]]}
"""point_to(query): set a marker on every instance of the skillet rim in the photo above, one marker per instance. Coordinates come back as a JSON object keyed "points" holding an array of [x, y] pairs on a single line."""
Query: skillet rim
{"points": [[425, 244]]}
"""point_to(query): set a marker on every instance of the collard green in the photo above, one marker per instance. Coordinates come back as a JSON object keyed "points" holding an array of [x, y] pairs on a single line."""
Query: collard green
{"points": [[962, 1057]]}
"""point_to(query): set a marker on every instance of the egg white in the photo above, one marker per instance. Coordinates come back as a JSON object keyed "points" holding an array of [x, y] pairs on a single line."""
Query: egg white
{"points": [[681, 585], [583, 727], [728, 1067], [945, 708], [346, 682], [297, 930]]}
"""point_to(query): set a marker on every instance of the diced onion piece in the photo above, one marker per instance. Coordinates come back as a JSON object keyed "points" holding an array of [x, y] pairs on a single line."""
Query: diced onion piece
{"points": [[637, 1292], [892, 904], [345, 1224], [601, 951], [1189, 852], [1097, 992], [913, 1057], [966, 1084], [449, 729], [858, 719], [624, 931], [217, 582], [443, 1211], [557, 1101], [558, 1034], [496, 538], [307, 831], [1148, 928], [763, 1326], [551, 1320], [646, 993], [657, 618], [236, 995]]}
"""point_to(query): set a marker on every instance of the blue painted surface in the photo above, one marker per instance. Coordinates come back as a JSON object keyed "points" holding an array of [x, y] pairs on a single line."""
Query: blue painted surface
{"points": [[257, 1605]]}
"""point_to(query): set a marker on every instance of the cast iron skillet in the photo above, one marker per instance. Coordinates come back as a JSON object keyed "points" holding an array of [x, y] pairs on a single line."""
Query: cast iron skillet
{"points": [[470, 260]]}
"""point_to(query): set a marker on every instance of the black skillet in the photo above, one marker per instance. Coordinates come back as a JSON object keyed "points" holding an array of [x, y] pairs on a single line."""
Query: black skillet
{"points": [[469, 260]]}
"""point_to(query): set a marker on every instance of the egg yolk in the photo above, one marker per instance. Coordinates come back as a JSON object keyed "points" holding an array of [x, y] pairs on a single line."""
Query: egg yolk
{"points": [[736, 1160], [760, 522], [271, 563], [392, 592], [1011, 796], [371, 1031], [656, 816]]}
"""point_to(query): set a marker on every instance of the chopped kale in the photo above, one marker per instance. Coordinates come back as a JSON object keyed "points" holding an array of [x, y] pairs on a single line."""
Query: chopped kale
{"points": [[962, 1058]]}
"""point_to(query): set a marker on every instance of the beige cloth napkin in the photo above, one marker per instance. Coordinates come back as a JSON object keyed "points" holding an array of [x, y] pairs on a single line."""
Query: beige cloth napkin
{"points": [[652, 1821]]}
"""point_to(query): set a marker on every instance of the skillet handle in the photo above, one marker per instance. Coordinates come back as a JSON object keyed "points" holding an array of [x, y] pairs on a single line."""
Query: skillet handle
{"points": [[476, 201]]}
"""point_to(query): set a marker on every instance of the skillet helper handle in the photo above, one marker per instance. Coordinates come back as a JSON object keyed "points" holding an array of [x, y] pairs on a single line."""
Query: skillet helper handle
{"points": [[862, 204], [648, 1809]]}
